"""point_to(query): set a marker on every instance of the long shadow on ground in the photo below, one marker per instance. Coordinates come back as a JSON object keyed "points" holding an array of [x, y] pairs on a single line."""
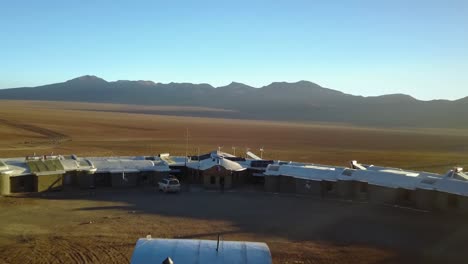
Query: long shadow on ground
{"points": [[418, 236]]}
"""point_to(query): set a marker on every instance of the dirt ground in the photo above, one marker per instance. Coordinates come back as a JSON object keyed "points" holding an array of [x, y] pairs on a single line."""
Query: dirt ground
{"points": [[102, 226], [87, 129]]}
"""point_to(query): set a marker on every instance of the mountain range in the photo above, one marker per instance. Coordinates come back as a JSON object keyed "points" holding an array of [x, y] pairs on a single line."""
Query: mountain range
{"points": [[299, 101]]}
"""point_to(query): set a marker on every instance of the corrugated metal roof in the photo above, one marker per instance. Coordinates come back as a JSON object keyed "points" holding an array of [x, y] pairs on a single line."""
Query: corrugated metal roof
{"points": [[75, 165], [186, 251], [216, 161], [308, 172], [45, 167], [4, 169], [388, 178], [380, 176], [174, 160], [453, 182], [118, 165], [17, 166]]}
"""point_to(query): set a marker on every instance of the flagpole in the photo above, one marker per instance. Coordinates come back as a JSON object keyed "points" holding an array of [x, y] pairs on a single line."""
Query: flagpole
{"points": [[186, 148]]}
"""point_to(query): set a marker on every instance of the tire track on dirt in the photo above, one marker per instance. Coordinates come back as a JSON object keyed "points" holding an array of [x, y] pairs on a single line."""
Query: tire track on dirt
{"points": [[48, 133], [63, 249]]}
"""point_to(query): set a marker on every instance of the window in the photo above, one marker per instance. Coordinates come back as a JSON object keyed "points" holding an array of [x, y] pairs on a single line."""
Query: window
{"points": [[164, 181], [174, 182], [212, 180]]}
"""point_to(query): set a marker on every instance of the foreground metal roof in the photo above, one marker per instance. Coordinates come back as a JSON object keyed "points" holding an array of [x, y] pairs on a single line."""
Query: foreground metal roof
{"points": [[187, 251]]}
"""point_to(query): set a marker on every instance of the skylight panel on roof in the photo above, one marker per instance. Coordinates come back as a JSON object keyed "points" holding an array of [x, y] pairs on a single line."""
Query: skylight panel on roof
{"points": [[461, 176], [318, 167], [429, 180], [406, 173], [273, 167]]}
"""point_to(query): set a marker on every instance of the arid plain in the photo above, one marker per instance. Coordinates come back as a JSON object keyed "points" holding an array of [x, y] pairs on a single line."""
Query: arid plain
{"points": [[89, 129], [102, 226]]}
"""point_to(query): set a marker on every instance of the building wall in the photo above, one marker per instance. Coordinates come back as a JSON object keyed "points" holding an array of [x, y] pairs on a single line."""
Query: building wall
{"points": [[251, 179], [127, 180], [287, 184], [463, 204], [194, 177], [102, 180], [381, 195], [405, 197], [52, 182], [449, 202], [424, 199], [73, 178], [213, 181], [85, 180], [272, 184], [240, 178], [347, 189], [216, 173], [4, 184], [69, 178], [308, 187], [158, 176], [25, 183], [328, 189], [150, 178], [181, 172], [361, 191]]}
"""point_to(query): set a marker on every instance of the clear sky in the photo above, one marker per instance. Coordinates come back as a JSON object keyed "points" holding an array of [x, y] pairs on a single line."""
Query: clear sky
{"points": [[360, 47]]}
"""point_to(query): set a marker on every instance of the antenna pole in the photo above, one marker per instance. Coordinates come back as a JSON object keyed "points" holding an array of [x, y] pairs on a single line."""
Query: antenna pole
{"points": [[186, 148], [198, 171], [217, 244]]}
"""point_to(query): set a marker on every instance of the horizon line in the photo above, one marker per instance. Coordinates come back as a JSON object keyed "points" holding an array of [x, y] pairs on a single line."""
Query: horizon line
{"points": [[231, 82]]}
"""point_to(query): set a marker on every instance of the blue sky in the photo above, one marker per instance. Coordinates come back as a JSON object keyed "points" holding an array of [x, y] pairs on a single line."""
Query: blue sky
{"points": [[359, 47]]}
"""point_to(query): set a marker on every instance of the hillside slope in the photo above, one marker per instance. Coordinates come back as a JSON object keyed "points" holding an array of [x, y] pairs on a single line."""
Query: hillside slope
{"points": [[299, 101]]}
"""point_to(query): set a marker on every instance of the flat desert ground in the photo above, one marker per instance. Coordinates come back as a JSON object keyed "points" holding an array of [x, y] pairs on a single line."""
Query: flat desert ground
{"points": [[102, 226], [88, 129]]}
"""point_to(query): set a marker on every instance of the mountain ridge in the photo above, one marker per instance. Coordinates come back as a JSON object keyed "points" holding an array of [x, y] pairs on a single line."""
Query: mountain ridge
{"points": [[289, 101]]}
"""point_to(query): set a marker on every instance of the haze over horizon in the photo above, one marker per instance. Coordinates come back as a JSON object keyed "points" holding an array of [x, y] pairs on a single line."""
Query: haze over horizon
{"points": [[371, 48]]}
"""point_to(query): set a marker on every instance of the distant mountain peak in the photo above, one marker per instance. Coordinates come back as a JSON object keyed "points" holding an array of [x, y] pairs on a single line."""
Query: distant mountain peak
{"points": [[396, 97], [142, 82], [87, 78], [235, 85], [146, 82], [305, 84]]}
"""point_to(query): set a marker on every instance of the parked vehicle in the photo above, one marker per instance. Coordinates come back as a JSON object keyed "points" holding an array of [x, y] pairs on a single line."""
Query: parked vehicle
{"points": [[169, 185]]}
